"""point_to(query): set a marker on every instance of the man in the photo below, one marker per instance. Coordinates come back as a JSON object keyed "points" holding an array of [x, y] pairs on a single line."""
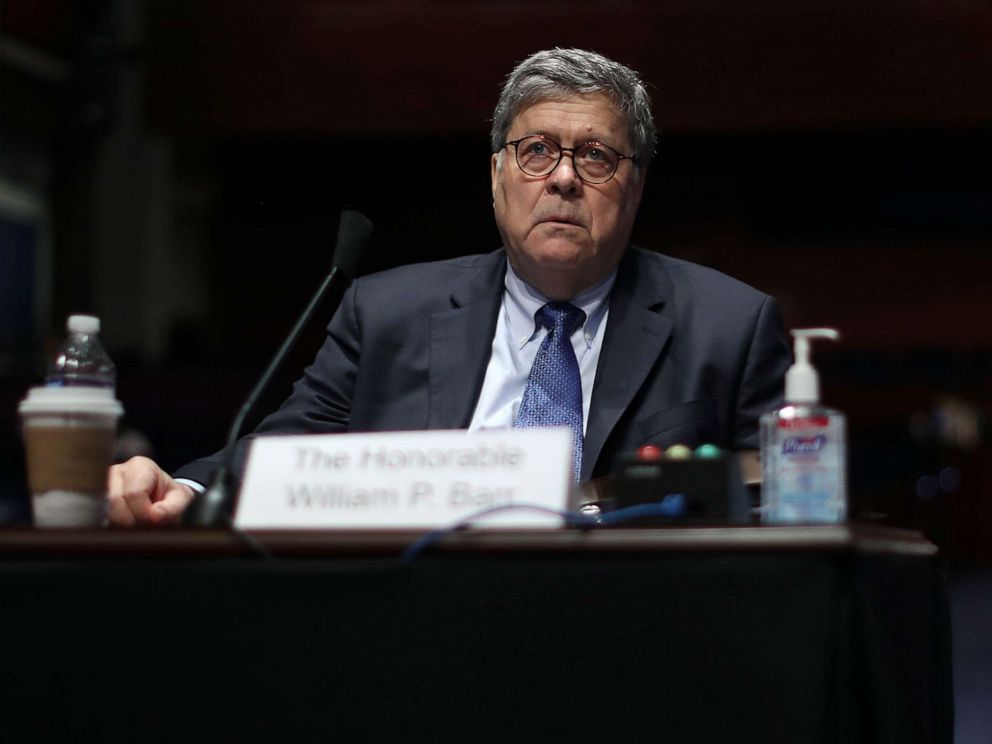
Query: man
{"points": [[566, 325]]}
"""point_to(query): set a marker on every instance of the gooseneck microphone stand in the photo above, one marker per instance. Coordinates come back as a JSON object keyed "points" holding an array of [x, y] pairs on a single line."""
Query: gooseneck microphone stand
{"points": [[214, 506]]}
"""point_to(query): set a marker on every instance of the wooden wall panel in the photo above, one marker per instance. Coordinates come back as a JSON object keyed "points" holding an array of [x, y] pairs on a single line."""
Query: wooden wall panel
{"points": [[432, 67]]}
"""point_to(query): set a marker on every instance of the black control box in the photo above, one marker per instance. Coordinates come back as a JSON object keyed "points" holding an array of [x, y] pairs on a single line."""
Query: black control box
{"points": [[695, 489]]}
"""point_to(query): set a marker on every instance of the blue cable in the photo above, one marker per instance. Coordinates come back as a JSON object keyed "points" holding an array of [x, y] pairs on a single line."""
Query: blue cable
{"points": [[673, 505]]}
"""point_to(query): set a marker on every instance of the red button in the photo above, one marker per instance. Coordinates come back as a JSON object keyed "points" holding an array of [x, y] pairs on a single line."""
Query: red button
{"points": [[649, 453]]}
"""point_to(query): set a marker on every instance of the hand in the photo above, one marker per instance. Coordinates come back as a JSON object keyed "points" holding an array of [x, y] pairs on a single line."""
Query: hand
{"points": [[141, 493]]}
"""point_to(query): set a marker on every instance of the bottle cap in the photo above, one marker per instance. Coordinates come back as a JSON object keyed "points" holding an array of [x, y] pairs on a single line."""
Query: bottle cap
{"points": [[83, 324]]}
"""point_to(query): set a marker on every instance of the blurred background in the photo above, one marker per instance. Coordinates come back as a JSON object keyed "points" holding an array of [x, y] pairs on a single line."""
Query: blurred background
{"points": [[177, 168]]}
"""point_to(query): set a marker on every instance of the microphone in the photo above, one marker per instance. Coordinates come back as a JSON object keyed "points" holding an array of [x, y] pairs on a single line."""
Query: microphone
{"points": [[213, 506]]}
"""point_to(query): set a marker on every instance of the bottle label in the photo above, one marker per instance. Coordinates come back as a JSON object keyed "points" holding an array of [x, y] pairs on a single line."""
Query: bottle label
{"points": [[803, 445], [805, 472]]}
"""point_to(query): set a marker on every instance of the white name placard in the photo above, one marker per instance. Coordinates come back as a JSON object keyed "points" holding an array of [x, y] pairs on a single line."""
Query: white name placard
{"points": [[420, 479]]}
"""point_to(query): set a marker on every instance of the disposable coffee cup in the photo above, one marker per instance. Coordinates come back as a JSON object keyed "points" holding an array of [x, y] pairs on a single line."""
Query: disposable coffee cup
{"points": [[69, 437]]}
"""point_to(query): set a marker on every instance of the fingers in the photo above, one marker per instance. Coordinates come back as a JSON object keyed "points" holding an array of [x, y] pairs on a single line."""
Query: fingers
{"points": [[140, 482], [141, 493], [118, 512], [170, 509]]}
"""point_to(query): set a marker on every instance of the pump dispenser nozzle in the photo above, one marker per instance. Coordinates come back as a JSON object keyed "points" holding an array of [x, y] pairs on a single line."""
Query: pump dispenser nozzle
{"points": [[802, 384]]}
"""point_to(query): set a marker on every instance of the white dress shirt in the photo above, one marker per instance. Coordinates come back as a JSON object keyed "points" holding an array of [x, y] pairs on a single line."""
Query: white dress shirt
{"points": [[517, 339]]}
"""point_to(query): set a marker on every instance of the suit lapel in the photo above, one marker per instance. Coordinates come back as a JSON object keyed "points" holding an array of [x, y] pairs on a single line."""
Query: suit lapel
{"points": [[461, 340], [636, 334]]}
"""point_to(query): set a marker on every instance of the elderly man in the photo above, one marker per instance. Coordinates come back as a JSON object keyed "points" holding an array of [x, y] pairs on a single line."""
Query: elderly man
{"points": [[566, 325]]}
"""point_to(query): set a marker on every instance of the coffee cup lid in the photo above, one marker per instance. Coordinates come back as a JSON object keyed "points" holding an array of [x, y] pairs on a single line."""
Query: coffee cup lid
{"points": [[86, 400]]}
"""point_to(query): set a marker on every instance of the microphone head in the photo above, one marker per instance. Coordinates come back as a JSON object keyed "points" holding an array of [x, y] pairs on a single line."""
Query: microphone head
{"points": [[354, 232]]}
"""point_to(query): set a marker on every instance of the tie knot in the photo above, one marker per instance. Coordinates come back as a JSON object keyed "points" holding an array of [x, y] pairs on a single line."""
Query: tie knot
{"points": [[561, 317]]}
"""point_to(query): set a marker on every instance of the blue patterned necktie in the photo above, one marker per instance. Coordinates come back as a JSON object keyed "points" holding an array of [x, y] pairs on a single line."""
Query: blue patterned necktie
{"points": [[553, 396]]}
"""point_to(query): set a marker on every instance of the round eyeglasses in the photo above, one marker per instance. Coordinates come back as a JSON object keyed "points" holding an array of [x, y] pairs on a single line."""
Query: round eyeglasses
{"points": [[594, 162]]}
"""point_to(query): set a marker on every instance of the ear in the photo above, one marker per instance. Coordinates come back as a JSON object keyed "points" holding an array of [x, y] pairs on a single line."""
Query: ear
{"points": [[494, 170]]}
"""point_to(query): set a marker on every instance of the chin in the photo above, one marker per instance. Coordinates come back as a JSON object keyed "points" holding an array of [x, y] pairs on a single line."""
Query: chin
{"points": [[559, 253]]}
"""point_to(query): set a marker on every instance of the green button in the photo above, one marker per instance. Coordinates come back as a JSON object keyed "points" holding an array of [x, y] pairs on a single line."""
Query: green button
{"points": [[708, 451], [678, 452]]}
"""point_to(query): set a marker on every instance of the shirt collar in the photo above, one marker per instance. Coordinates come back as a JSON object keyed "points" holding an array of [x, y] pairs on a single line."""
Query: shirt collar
{"points": [[521, 302]]}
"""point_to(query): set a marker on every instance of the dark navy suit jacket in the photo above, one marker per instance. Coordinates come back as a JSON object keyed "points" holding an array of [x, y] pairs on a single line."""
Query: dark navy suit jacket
{"points": [[689, 356]]}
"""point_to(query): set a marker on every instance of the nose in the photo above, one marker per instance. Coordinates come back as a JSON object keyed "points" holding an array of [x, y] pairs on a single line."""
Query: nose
{"points": [[563, 179]]}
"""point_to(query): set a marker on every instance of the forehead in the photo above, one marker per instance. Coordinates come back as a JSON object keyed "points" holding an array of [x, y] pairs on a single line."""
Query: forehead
{"points": [[579, 117]]}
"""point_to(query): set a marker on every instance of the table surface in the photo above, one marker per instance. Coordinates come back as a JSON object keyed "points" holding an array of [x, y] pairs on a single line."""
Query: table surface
{"points": [[850, 538]]}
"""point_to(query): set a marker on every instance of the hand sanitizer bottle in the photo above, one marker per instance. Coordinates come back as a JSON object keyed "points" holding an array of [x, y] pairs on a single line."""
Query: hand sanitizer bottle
{"points": [[804, 447]]}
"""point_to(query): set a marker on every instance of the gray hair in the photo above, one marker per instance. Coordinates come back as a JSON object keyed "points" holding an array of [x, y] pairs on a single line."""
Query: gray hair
{"points": [[554, 74]]}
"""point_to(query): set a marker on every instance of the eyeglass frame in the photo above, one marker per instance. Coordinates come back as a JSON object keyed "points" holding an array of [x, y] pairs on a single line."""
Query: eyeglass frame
{"points": [[561, 153]]}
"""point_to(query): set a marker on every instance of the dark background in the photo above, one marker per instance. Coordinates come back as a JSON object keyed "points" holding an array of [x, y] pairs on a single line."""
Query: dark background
{"points": [[185, 162]]}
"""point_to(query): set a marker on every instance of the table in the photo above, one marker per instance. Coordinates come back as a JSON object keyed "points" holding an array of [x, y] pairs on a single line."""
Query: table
{"points": [[791, 634]]}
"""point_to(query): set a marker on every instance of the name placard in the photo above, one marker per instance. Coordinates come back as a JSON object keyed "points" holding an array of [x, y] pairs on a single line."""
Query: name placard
{"points": [[420, 479]]}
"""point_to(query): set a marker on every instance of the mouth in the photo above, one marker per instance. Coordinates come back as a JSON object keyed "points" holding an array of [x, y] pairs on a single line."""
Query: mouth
{"points": [[560, 220]]}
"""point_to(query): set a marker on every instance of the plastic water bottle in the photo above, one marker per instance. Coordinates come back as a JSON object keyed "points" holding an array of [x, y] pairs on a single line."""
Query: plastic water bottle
{"points": [[81, 359]]}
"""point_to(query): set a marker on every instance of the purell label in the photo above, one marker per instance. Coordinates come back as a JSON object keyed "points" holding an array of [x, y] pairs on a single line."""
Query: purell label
{"points": [[804, 462], [803, 445]]}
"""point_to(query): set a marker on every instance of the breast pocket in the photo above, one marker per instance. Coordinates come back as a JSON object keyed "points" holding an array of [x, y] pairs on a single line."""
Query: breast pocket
{"points": [[691, 423]]}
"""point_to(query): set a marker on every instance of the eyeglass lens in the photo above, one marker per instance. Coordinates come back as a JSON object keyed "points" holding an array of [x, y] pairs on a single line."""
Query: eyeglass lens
{"points": [[538, 156]]}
